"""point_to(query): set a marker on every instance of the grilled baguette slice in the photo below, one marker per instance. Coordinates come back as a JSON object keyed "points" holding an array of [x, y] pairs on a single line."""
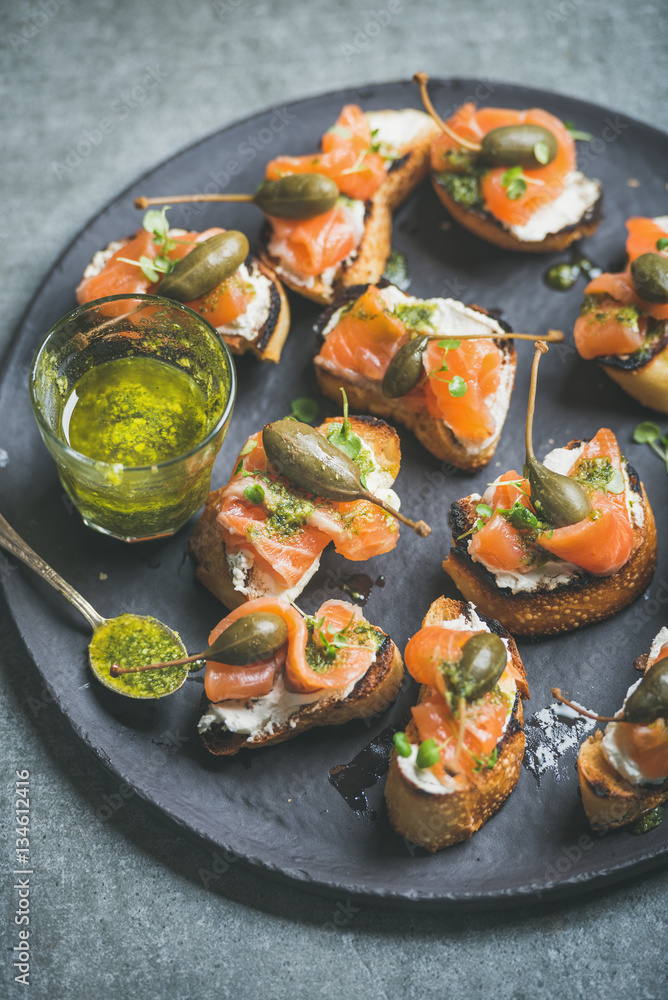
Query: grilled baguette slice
{"points": [[484, 225], [583, 600], [436, 821], [434, 434], [207, 542], [367, 264], [609, 800], [648, 382], [373, 693]]}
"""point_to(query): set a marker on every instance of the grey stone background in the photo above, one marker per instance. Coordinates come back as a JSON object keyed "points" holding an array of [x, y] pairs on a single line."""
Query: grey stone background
{"points": [[120, 906]]}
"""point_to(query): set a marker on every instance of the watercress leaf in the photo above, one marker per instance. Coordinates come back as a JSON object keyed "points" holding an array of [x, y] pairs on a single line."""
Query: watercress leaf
{"points": [[577, 134], [254, 493], [662, 243], [428, 754], [155, 221], [250, 446], [305, 409], [449, 345], [344, 132], [457, 386], [402, 745], [484, 510], [646, 432]]}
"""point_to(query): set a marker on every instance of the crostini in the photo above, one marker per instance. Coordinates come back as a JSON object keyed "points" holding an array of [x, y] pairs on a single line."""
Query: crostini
{"points": [[335, 666], [510, 177], [249, 308], [376, 159], [262, 536], [456, 390], [624, 771], [626, 333], [460, 756], [570, 542]]}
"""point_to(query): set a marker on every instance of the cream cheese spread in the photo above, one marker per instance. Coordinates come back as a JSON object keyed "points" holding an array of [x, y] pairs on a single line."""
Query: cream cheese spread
{"points": [[580, 193]]}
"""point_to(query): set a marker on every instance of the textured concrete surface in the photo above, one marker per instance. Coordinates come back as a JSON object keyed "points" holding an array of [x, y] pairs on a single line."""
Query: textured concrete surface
{"points": [[121, 904]]}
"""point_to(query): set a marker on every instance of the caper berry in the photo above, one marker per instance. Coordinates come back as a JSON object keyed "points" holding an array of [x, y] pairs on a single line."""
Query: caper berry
{"points": [[405, 369], [558, 500], [649, 274], [483, 660], [297, 196], [310, 461], [649, 701], [529, 146], [206, 266], [250, 639]]}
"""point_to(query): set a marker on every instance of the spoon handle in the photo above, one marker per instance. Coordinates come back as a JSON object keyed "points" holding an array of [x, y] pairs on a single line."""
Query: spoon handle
{"points": [[12, 542]]}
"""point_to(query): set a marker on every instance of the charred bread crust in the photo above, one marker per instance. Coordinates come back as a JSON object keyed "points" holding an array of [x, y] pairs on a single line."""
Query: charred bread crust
{"points": [[648, 383], [207, 544], [367, 263], [434, 434], [437, 821], [268, 343], [373, 693], [488, 228], [609, 800], [583, 600]]}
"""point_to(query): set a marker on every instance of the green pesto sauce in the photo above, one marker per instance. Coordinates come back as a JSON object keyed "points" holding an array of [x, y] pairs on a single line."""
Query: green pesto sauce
{"points": [[359, 635], [416, 316], [134, 411], [462, 188], [396, 270], [131, 641], [287, 513], [648, 821], [596, 473]]}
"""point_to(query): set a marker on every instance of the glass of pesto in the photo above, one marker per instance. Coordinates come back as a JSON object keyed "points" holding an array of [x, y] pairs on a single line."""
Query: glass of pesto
{"points": [[133, 396]]}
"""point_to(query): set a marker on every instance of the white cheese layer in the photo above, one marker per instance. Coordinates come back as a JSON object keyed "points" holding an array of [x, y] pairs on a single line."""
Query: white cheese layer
{"points": [[262, 716], [660, 640], [555, 572], [278, 248], [580, 193], [662, 220], [102, 258], [250, 322], [423, 777], [397, 131], [248, 579]]}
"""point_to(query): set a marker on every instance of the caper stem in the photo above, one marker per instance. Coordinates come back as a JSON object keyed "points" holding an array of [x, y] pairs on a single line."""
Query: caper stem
{"points": [[556, 693], [541, 348], [116, 671], [461, 709], [419, 527], [551, 337], [179, 198], [422, 79]]}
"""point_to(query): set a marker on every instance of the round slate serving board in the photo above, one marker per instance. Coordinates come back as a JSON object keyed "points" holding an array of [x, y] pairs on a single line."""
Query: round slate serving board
{"points": [[278, 810]]}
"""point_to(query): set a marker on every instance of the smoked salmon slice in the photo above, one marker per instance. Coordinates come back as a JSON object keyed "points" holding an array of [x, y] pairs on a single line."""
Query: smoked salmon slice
{"points": [[600, 544], [338, 628], [220, 306], [287, 529], [369, 334], [543, 184], [604, 328]]}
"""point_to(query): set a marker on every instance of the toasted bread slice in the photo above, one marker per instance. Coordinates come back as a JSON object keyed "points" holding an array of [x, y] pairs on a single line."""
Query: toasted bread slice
{"points": [[367, 263], [373, 693], [609, 800], [267, 337], [435, 435], [438, 820], [237, 584], [584, 599], [648, 383], [488, 228]]}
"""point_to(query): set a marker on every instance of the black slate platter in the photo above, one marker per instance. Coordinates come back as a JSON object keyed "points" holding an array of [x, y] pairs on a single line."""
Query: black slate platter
{"points": [[277, 810]]}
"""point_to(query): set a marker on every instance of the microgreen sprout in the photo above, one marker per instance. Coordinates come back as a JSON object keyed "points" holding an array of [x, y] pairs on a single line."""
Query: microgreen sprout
{"points": [[649, 433]]}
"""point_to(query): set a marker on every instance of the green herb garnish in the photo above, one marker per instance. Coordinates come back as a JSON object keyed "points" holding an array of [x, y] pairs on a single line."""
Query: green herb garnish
{"points": [[514, 183], [486, 760], [542, 152], [254, 493], [577, 134], [402, 745], [343, 438], [662, 243], [305, 409], [649, 433], [428, 754]]}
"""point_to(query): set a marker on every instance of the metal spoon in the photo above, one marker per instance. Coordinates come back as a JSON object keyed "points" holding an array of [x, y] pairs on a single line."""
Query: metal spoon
{"points": [[102, 627]]}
